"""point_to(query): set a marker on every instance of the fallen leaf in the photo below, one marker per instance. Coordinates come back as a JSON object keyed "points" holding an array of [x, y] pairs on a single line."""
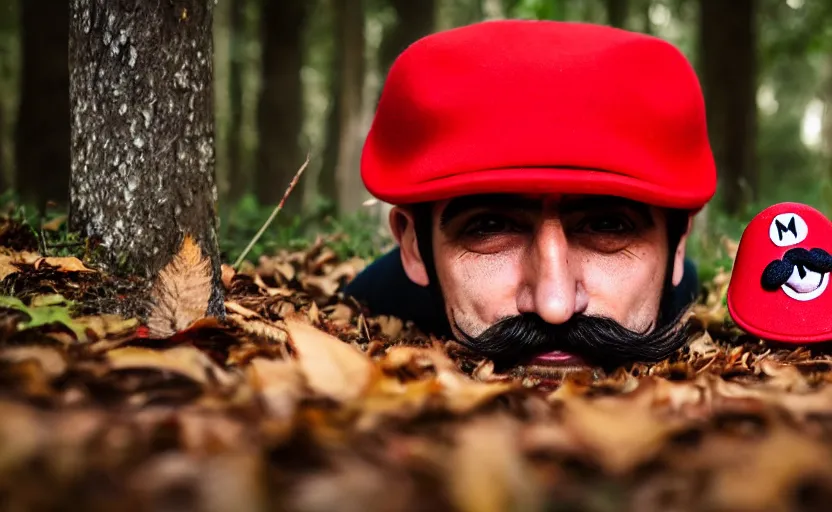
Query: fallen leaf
{"points": [[228, 274], [765, 475], [103, 326], [51, 360], [460, 393], [487, 472], [55, 313], [54, 224], [63, 264], [233, 307], [7, 266], [181, 291], [279, 383], [319, 285], [259, 327], [618, 432], [184, 360], [390, 326], [332, 368]]}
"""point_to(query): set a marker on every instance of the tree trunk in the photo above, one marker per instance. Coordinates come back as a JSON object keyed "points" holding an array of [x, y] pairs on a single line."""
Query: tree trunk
{"points": [[4, 179], [413, 21], [143, 133], [617, 11], [728, 40], [239, 182], [349, 190], [280, 114], [42, 138]]}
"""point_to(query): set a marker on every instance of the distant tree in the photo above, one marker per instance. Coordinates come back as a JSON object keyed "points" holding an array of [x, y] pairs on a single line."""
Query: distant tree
{"points": [[42, 136], [413, 21], [728, 63], [4, 179], [143, 133], [280, 111], [239, 182], [617, 11], [340, 179]]}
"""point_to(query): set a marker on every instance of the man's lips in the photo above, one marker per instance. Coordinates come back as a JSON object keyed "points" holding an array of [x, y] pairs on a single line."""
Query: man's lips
{"points": [[558, 358]]}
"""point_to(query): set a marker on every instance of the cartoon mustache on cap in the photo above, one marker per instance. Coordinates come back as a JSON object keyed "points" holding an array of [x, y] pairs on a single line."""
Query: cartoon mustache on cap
{"points": [[778, 272]]}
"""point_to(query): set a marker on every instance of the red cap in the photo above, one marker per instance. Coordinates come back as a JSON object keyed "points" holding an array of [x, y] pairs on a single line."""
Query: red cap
{"points": [[520, 106], [798, 311]]}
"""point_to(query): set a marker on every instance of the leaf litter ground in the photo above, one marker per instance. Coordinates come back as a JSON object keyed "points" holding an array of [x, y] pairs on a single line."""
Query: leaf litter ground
{"points": [[300, 400]]}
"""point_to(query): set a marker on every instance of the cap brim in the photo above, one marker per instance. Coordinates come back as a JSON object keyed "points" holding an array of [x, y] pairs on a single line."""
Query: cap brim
{"points": [[545, 181]]}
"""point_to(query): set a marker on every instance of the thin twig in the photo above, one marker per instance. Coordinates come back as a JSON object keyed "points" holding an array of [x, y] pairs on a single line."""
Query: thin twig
{"points": [[273, 215]]}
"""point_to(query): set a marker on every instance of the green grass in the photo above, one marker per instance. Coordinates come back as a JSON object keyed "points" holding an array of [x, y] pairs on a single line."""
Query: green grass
{"points": [[358, 235]]}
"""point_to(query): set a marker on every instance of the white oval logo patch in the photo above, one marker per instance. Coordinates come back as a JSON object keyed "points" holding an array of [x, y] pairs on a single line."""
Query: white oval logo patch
{"points": [[788, 229]]}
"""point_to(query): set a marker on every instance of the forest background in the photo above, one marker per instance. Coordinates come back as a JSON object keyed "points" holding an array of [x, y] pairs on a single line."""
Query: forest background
{"points": [[298, 77]]}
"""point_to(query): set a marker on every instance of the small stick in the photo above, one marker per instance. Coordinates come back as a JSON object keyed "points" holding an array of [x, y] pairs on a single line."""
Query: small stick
{"points": [[273, 215]]}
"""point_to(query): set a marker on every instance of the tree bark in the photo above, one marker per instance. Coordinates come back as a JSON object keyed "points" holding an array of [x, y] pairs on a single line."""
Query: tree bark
{"points": [[239, 182], [280, 113], [142, 132], [344, 130], [728, 44], [42, 138], [414, 20], [4, 180], [617, 11]]}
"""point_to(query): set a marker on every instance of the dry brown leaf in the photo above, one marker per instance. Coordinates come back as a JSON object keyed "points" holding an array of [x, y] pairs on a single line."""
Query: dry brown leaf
{"points": [[783, 376], [106, 325], [348, 269], [51, 360], [319, 285], [54, 224], [461, 393], [21, 435], [260, 327], [618, 432], [207, 433], [227, 275], [390, 326], [181, 291], [232, 481], [703, 346], [487, 471], [279, 383], [332, 368], [63, 264], [766, 475], [233, 307], [341, 315], [6, 266], [185, 360]]}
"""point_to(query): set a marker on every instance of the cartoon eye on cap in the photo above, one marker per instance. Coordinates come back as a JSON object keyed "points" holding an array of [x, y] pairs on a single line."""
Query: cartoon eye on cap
{"points": [[788, 229]]}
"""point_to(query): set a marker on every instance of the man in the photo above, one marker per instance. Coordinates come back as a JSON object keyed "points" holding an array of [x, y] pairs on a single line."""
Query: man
{"points": [[544, 176]]}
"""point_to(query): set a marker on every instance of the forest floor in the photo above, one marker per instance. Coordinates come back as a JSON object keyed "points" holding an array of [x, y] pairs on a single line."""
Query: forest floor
{"points": [[299, 400]]}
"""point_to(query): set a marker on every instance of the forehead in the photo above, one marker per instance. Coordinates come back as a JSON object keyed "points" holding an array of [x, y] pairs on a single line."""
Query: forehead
{"points": [[450, 208]]}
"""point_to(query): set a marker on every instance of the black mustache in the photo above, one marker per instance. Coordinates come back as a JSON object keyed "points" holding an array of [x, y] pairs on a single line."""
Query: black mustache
{"points": [[598, 340], [778, 272]]}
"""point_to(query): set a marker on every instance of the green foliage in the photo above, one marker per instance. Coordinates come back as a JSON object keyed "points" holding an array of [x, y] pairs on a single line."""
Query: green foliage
{"points": [[45, 310], [357, 235], [53, 242]]}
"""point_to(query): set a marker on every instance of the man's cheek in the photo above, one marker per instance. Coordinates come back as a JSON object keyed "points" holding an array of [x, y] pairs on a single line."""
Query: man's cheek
{"points": [[485, 286]]}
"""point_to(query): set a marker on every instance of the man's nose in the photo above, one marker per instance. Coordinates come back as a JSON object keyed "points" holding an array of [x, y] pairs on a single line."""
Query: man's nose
{"points": [[551, 286]]}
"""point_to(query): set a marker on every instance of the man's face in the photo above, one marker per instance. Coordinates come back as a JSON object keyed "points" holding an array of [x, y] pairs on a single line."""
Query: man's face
{"points": [[500, 256]]}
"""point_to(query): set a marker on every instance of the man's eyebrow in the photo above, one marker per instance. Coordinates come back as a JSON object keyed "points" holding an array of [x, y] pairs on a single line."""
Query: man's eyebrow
{"points": [[589, 203], [460, 205]]}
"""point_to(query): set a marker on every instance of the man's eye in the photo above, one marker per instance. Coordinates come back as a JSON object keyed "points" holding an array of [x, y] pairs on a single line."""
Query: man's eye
{"points": [[612, 224], [489, 225]]}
